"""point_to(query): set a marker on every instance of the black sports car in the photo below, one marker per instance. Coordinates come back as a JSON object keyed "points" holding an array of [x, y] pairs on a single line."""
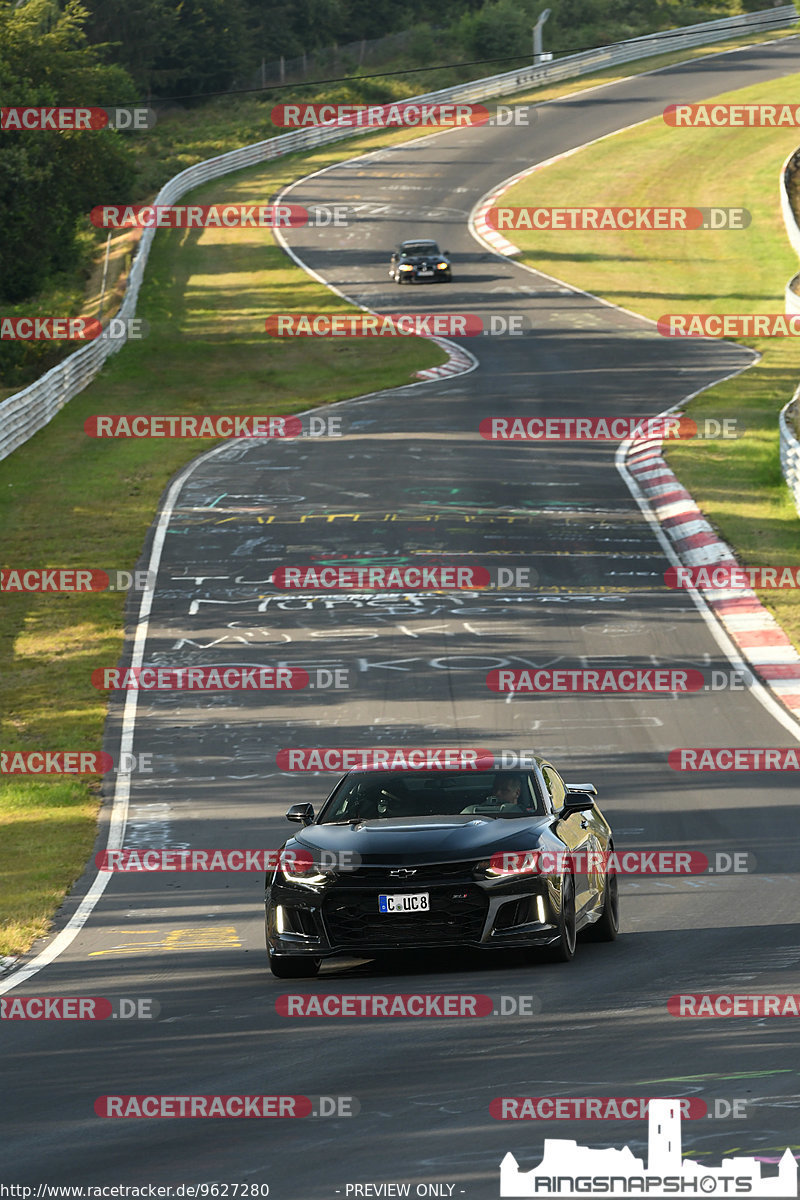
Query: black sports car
{"points": [[409, 859], [419, 260]]}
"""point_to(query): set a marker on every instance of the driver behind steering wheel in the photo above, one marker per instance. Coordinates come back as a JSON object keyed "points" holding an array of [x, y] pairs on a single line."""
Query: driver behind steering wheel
{"points": [[506, 789], [506, 793]]}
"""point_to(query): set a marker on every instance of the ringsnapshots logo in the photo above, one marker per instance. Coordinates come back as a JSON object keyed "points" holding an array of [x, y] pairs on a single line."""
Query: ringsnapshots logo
{"points": [[569, 1170]]}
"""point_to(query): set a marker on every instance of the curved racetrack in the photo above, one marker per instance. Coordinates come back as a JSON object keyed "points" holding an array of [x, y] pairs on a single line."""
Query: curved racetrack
{"points": [[412, 476]]}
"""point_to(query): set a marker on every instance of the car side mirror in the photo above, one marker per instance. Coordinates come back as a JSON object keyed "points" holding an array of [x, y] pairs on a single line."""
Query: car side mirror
{"points": [[577, 802], [588, 789], [301, 814]]}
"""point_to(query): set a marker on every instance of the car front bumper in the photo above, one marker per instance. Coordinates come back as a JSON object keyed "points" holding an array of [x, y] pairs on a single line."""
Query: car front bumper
{"points": [[346, 920]]}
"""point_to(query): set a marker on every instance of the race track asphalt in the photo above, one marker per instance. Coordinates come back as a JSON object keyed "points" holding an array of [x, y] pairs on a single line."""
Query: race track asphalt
{"points": [[411, 477]]}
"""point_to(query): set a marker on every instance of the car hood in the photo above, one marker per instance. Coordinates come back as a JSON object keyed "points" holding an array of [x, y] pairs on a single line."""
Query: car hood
{"points": [[423, 839], [416, 259]]}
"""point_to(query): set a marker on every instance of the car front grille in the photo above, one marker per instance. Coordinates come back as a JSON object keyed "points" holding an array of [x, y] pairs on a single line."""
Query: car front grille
{"points": [[379, 877], [457, 915]]}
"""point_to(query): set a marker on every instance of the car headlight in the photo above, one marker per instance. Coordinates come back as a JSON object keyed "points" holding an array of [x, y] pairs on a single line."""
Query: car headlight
{"points": [[405, 267], [306, 875], [509, 865], [442, 266]]}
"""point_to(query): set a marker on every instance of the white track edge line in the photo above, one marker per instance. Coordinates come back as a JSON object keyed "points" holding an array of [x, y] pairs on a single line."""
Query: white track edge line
{"points": [[718, 632], [119, 810]]}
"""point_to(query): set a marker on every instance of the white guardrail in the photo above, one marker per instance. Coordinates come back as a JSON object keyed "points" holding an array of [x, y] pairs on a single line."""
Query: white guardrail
{"points": [[28, 411], [791, 166], [789, 445], [790, 450]]}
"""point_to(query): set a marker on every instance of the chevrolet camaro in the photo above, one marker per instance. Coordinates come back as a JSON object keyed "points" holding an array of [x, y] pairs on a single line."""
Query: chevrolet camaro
{"points": [[406, 860]]}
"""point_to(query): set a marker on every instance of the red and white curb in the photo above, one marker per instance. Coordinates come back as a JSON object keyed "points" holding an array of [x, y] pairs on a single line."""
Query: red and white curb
{"points": [[483, 229], [459, 361], [759, 637], [761, 642], [480, 227]]}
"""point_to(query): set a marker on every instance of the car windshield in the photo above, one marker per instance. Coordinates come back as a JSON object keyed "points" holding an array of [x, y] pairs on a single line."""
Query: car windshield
{"points": [[388, 795], [414, 248]]}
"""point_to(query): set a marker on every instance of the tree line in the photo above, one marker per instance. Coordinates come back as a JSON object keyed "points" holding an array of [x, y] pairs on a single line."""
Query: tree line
{"points": [[120, 52], [183, 47]]}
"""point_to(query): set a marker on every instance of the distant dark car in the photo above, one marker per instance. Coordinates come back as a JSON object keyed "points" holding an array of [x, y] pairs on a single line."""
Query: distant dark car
{"points": [[420, 260], [442, 859]]}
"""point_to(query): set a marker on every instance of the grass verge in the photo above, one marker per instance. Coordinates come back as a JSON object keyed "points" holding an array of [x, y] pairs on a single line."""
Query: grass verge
{"points": [[738, 484], [68, 501], [184, 136]]}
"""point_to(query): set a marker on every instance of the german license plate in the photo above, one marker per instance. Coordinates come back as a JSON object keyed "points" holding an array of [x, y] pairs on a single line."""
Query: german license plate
{"points": [[409, 902], [421, 273]]}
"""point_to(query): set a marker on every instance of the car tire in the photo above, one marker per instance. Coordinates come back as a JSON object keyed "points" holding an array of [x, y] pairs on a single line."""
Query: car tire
{"points": [[288, 966], [607, 928], [563, 950]]}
